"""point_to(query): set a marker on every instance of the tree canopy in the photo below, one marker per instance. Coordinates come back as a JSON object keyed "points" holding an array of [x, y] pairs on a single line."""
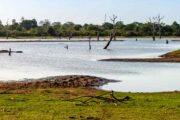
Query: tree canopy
{"points": [[30, 28]]}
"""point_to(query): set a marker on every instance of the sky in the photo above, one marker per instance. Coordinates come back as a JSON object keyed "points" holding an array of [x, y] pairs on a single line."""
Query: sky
{"points": [[89, 11]]}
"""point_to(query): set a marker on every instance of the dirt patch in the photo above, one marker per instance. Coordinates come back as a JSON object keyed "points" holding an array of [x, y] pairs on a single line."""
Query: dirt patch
{"points": [[169, 57], [58, 81], [144, 60]]}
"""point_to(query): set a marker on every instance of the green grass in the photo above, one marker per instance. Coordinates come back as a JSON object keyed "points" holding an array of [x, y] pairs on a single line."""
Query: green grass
{"points": [[174, 54], [50, 104], [177, 51]]}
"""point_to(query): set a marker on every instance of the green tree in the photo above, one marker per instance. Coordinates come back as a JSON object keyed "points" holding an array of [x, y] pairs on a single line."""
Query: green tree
{"points": [[28, 24], [176, 28]]}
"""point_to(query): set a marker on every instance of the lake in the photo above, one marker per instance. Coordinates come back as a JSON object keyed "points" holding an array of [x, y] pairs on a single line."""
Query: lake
{"points": [[52, 59]]}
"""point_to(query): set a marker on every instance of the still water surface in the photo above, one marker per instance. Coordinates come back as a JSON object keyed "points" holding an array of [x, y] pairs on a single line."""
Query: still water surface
{"points": [[51, 59]]}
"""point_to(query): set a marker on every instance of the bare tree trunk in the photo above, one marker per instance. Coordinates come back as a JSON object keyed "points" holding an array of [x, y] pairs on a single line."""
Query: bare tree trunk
{"points": [[97, 36], [10, 52], [7, 32], [7, 36], [153, 23], [70, 36], [160, 24], [109, 42], [115, 37], [154, 32], [156, 22], [154, 36], [113, 34], [89, 42], [160, 36]]}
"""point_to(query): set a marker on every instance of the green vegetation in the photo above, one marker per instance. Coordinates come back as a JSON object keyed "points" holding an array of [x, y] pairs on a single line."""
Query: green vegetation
{"points": [[174, 54], [52, 104], [31, 28]]}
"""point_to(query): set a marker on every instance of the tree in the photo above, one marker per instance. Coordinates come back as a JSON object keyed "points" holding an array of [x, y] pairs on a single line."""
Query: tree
{"points": [[7, 29], [153, 23], [167, 30], [107, 26], [51, 31], [77, 27], [154, 27], [1, 25], [160, 24], [157, 24], [57, 29], [28, 24], [113, 34], [176, 28], [44, 27], [68, 29]]}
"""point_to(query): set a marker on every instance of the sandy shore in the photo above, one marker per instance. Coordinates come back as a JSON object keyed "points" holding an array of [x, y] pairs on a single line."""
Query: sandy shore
{"points": [[57, 81]]}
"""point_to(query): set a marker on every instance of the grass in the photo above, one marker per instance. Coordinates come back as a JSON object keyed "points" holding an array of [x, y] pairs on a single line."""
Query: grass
{"points": [[177, 52], [50, 104], [174, 54]]}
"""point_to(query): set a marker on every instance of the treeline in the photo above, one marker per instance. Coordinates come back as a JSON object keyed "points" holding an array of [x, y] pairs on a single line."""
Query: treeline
{"points": [[31, 28]]}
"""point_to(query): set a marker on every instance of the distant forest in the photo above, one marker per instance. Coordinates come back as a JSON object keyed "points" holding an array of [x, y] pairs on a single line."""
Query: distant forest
{"points": [[32, 28]]}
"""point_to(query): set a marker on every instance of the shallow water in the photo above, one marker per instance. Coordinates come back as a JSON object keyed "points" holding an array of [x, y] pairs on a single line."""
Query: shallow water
{"points": [[51, 59]]}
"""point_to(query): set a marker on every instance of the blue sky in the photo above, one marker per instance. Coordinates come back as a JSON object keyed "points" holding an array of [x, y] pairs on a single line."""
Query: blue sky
{"points": [[89, 11]]}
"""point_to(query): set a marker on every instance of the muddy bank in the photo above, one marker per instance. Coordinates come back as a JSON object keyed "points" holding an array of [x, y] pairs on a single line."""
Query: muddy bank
{"points": [[144, 60], [58, 81], [168, 57], [174, 54]]}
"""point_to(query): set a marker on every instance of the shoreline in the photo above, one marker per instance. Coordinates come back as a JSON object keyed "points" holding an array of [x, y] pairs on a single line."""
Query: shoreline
{"points": [[150, 60], [75, 39], [68, 81], [44, 40], [81, 37], [171, 57]]}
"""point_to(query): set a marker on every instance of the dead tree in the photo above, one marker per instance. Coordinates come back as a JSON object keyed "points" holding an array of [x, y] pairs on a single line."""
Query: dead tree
{"points": [[109, 42], [153, 22], [160, 24], [90, 42], [7, 30], [10, 52], [113, 19], [97, 35], [70, 35], [113, 34], [157, 24]]}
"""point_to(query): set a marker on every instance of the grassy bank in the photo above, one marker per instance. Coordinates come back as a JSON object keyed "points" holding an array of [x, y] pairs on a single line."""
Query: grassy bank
{"points": [[174, 54], [59, 104]]}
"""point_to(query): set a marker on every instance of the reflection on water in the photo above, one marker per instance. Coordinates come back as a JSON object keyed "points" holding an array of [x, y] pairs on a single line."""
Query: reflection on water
{"points": [[50, 59]]}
